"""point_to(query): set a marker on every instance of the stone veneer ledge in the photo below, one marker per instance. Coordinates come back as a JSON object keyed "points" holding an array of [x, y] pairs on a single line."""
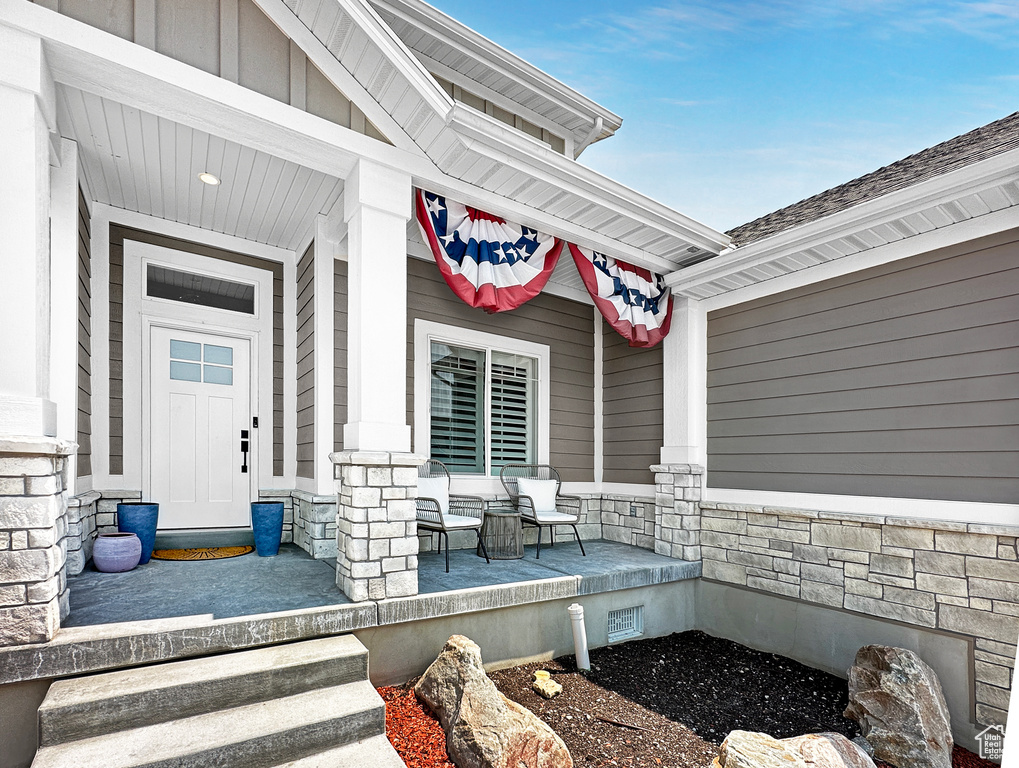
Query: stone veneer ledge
{"points": [[953, 576]]}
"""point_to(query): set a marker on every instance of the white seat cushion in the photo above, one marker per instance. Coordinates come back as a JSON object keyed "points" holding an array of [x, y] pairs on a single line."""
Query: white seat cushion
{"points": [[542, 493], [554, 518], [460, 521], [435, 488]]}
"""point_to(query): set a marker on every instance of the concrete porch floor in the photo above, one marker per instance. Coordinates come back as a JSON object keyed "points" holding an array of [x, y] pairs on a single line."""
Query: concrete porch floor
{"points": [[251, 585]]}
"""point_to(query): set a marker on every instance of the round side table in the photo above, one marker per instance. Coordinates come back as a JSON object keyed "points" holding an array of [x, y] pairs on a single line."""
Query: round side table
{"points": [[501, 532]]}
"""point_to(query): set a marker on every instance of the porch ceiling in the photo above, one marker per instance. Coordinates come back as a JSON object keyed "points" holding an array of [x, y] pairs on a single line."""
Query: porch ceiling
{"points": [[140, 162]]}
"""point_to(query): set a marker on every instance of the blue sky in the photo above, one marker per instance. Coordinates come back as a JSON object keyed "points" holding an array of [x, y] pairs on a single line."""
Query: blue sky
{"points": [[734, 109]]}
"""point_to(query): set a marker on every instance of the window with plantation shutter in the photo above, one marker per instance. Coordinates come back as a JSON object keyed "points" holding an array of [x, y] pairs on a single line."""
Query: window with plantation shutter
{"points": [[483, 404], [513, 383], [458, 406]]}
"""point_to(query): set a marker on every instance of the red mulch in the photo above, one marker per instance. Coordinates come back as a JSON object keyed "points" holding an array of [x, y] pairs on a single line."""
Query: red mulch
{"points": [[413, 730]]}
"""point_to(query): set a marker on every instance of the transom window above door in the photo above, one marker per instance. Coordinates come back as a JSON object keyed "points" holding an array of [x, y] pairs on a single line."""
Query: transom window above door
{"points": [[202, 290], [484, 400]]}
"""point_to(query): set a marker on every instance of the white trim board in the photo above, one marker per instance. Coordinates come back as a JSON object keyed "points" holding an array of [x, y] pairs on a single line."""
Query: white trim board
{"points": [[194, 234], [923, 509]]}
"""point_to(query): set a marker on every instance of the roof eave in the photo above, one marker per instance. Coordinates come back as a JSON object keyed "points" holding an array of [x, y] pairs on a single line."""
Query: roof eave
{"points": [[875, 212], [466, 39]]}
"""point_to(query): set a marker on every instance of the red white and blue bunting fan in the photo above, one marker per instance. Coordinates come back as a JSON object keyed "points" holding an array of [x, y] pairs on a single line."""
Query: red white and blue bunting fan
{"points": [[635, 301], [486, 261]]}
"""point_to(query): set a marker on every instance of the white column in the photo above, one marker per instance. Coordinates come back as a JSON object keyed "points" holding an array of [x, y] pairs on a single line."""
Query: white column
{"points": [[685, 381], [27, 97], [64, 299], [377, 206]]}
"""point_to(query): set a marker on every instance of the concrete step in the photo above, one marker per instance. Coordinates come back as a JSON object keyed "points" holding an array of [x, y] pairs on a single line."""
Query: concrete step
{"points": [[260, 735], [375, 752], [85, 707]]}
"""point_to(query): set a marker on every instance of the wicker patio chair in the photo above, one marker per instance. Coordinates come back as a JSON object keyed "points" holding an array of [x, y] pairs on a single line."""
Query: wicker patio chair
{"points": [[539, 502], [439, 512]]}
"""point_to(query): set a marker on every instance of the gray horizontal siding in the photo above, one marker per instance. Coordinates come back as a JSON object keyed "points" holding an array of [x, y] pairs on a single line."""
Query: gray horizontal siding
{"points": [[901, 381], [84, 421], [564, 325], [339, 352], [632, 409], [118, 234], [306, 364]]}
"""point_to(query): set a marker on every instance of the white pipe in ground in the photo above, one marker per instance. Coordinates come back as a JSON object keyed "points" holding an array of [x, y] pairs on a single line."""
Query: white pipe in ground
{"points": [[579, 636]]}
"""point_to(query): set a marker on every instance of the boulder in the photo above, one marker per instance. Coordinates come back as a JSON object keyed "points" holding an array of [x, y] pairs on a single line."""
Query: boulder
{"points": [[483, 728], [897, 700], [747, 749]]}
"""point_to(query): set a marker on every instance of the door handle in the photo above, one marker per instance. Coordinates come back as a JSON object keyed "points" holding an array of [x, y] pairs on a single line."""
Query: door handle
{"points": [[244, 451]]}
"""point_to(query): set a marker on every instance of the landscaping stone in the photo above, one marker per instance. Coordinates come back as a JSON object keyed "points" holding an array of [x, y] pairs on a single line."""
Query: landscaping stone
{"points": [[747, 749], [897, 700], [483, 728]]}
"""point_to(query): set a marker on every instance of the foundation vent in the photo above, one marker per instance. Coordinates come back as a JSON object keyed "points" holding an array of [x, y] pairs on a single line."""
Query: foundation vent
{"points": [[626, 623]]}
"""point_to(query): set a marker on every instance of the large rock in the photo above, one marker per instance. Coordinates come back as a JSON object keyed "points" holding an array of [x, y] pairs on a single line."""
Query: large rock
{"points": [[483, 728], [747, 749], [897, 700]]}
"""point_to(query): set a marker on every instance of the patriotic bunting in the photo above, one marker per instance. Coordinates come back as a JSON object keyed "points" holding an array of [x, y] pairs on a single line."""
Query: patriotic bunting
{"points": [[635, 301], [486, 261]]}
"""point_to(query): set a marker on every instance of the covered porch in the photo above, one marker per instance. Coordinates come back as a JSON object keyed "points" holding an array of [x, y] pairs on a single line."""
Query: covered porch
{"points": [[250, 585]]}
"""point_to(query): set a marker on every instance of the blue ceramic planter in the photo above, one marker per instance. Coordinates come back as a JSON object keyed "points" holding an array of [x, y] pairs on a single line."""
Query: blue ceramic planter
{"points": [[267, 525], [139, 519]]}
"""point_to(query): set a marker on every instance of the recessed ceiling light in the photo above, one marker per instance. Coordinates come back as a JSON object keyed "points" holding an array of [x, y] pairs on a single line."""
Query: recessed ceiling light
{"points": [[208, 178]]}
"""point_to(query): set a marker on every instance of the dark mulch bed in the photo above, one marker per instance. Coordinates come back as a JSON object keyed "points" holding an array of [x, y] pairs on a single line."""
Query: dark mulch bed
{"points": [[684, 693], [662, 703]]}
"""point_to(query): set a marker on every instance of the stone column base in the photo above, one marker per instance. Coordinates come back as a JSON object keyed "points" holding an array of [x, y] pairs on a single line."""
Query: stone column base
{"points": [[33, 523], [678, 490], [376, 524]]}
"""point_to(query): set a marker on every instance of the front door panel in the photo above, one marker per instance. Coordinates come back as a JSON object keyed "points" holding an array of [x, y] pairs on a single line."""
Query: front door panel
{"points": [[200, 403]]}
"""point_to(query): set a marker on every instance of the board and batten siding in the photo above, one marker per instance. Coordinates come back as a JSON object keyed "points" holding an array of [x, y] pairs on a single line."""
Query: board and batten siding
{"points": [[232, 39], [118, 234], [306, 364], [632, 409], [897, 381], [84, 422]]}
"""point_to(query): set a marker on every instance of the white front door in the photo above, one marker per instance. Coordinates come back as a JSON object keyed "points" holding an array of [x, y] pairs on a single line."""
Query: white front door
{"points": [[200, 415]]}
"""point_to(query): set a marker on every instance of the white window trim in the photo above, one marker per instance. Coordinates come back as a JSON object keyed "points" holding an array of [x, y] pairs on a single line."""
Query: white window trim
{"points": [[427, 331]]}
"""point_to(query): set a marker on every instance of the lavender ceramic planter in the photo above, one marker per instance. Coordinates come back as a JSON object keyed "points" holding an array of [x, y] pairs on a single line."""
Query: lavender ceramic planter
{"points": [[116, 552]]}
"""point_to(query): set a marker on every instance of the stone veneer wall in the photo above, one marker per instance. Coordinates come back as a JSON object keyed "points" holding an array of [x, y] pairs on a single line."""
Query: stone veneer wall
{"points": [[602, 516], [33, 524], [627, 519], [81, 530], [958, 577], [678, 489]]}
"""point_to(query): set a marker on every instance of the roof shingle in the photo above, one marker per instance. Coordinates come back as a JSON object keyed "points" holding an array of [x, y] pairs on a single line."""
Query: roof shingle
{"points": [[987, 141]]}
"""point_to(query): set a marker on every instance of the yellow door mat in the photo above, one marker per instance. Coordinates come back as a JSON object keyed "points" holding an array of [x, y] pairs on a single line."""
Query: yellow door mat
{"points": [[201, 553]]}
